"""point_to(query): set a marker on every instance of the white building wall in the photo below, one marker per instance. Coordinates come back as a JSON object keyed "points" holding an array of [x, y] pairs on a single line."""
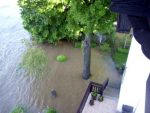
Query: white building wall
{"points": [[134, 79]]}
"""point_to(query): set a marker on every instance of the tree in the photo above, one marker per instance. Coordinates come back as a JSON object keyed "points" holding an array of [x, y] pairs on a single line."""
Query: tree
{"points": [[88, 16], [52, 20]]}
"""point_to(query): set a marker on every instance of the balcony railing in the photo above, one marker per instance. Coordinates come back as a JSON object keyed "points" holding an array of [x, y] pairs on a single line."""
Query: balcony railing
{"points": [[93, 87]]}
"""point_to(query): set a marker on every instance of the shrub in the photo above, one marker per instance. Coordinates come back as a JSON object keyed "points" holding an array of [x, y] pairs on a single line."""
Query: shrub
{"points": [[120, 57], [93, 45], [34, 60], [100, 98], [123, 50], [94, 94], [44, 19], [78, 45], [18, 109], [105, 47], [49, 110], [61, 58]]}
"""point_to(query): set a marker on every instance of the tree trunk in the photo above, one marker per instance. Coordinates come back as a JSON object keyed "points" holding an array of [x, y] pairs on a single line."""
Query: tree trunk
{"points": [[86, 57]]}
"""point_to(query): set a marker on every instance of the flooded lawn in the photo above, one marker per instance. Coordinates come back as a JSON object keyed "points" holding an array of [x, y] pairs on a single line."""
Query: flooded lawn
{"points": [[17, 88]]}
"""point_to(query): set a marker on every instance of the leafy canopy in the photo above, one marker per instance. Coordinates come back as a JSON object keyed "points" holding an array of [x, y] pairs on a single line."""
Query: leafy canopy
{"points": [[52, 20]]}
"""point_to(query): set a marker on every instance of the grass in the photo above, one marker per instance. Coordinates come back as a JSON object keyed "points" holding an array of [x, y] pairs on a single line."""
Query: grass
{"points": [[120, 57], [61, 58], [18, 109], [34, 61], [49, 110]]}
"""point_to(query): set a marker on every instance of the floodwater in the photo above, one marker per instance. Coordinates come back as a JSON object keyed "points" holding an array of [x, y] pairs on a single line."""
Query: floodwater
{"points": [[17, 88]]}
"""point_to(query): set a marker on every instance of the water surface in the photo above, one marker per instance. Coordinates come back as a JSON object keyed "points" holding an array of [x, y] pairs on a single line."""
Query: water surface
{"points": [[17, 88]]}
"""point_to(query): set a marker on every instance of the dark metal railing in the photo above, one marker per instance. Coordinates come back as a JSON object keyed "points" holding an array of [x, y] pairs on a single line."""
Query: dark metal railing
{"points": [[93, 87]]}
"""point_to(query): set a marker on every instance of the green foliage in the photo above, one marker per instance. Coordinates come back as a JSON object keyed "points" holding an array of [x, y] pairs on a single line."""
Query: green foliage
{"points": [[122, 40], [78, 44], [120, 57], [105, 47], [100, 98], [94, 94], [49, 110], [61, 58], [52, 20], [45, 19], [93, 45], [92, 18], [34, 60], [123, 50], [18, 109]]}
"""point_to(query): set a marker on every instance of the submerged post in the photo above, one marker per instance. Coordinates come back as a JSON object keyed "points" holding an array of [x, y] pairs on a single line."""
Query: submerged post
{"points": [[86, 57]]}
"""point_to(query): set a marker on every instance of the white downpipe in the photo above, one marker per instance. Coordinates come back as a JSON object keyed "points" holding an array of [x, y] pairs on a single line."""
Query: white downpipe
{"points": [[134, 81]]}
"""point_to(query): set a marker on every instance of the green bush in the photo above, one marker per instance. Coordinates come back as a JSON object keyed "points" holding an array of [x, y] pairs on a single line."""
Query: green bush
{"points": [[18, 109], [123, 50], [105, 47], [34, 60], [93, 45], [49, 110], [61, 58], [78, 44], [44, 19], [120, 57], [94, 94]]}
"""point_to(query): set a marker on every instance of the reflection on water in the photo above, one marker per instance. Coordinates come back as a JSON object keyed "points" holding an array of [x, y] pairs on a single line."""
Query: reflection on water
{"points": [[17, 88]]}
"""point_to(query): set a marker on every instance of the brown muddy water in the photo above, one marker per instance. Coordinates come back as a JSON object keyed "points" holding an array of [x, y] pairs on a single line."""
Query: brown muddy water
{"points": [[17, 88]]}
